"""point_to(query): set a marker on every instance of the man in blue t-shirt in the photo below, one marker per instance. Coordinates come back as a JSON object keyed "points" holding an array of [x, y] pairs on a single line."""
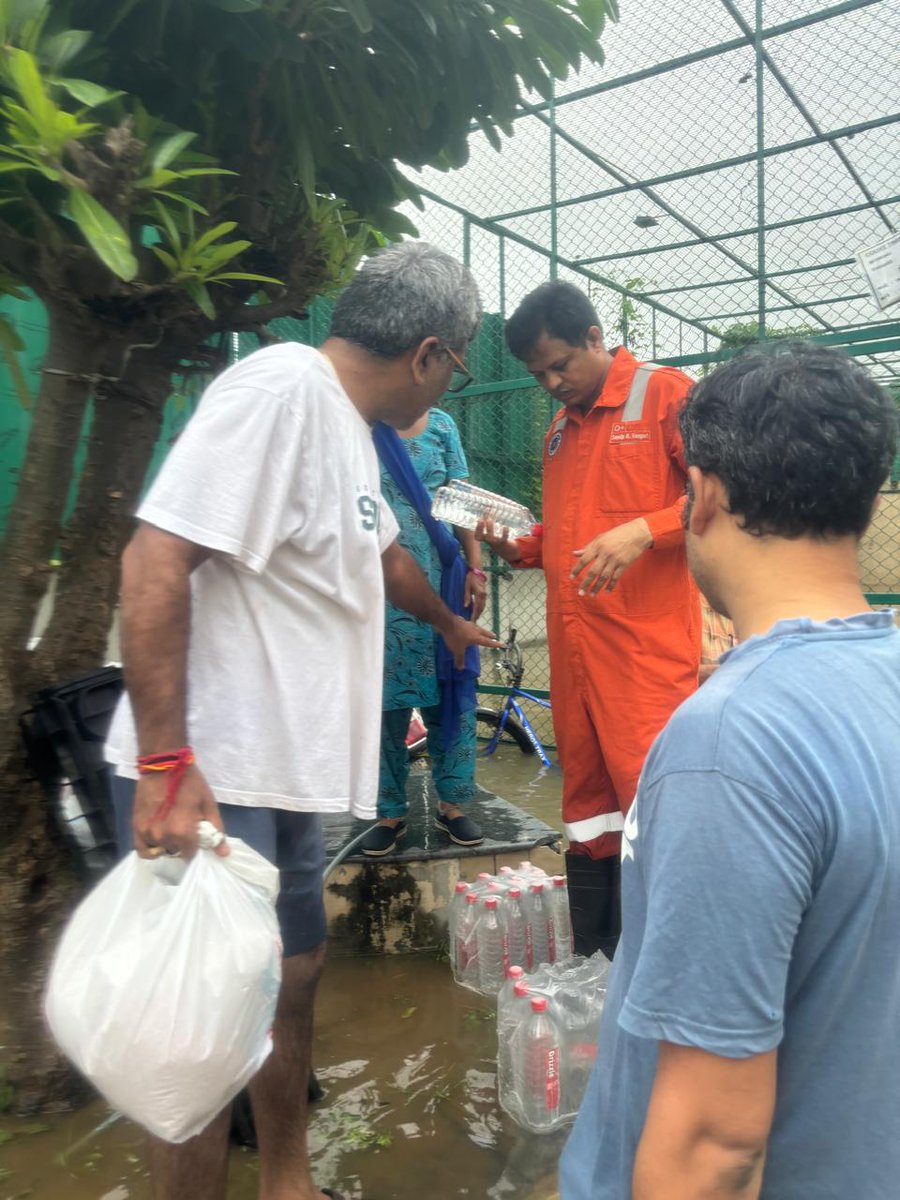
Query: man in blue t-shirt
{"points": [[750, 1045]]}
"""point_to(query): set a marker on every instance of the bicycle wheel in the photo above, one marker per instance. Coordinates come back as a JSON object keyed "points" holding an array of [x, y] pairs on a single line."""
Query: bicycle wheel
{"points": [[513, 733]]}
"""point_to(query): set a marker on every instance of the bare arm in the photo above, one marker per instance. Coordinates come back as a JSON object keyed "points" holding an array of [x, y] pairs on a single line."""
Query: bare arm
{"points": [[156, 620], [476, 587], [406, 586], [471, 547], [707, 1126]]}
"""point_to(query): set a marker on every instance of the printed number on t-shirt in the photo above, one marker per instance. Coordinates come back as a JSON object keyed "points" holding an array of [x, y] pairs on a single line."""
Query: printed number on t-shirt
{"points": [[369, 511]]}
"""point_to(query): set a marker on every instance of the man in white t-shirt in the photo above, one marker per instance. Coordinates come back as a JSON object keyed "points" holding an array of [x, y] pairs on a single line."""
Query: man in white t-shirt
{"points": [[252, 637]]}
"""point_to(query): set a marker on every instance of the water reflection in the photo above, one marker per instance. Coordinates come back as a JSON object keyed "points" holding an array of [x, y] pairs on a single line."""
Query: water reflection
{"points": [[407, 1062]]}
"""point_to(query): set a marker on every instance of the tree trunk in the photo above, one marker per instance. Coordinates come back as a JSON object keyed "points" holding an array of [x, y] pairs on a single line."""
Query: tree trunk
{"points": [[125, 428], [38, 887], [38, 891], [34, 523]]}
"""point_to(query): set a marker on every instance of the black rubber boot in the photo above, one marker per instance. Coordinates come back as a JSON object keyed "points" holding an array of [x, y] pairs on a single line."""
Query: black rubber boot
{"points": [[595, 902]]}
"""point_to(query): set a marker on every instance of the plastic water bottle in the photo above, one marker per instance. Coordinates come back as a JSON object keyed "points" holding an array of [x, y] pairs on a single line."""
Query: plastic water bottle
{"points": [[514, 922], [490, 947], [514, 975], [455, 914], [513, 1008], [578, 1013], [466, 956], [538, 929], [538, 1068], [562, 918], [462, 504]]}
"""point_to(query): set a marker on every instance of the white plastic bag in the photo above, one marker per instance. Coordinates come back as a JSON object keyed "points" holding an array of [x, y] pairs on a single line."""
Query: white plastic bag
{"points": [[164, 985]]}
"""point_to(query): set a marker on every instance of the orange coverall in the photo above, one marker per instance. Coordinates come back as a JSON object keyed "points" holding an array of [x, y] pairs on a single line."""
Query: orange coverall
{"points": [[620, 661]]}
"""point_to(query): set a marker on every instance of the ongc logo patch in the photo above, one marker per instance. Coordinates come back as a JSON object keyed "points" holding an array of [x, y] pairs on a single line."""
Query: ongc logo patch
{"points": [[554, 444]]}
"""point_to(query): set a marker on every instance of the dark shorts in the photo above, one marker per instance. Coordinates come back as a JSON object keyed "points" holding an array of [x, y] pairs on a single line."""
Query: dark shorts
{"points": [[292, 841]]}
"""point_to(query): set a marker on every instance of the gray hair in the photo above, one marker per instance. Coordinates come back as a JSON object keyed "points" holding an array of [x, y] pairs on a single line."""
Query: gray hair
{"points": [[404, 294]]}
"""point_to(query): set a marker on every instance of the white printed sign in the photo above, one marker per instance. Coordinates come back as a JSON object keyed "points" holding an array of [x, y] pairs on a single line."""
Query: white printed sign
{"points": [[881, 267]]}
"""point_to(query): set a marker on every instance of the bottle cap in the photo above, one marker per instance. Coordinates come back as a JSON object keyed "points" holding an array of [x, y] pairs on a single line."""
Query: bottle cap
{"points": [[461, 887], [471, 898], [506, 871], [491, 902], [538, 1004], [485, 875], [514, 973], [515, 893], [525, 865], [537, 887], [559, 881], [520, 988]]}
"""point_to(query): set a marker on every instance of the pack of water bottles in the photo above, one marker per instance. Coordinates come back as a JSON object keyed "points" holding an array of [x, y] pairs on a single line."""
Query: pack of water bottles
{"points": [[518, 918], [547, 1025], [461, 503]]}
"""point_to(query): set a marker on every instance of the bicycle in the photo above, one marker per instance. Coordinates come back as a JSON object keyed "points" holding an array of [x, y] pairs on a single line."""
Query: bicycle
{"points": [[511, 723]]}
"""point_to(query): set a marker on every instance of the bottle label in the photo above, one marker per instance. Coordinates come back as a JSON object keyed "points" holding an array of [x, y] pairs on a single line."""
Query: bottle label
{"points": [[506, 962], [462, 953], [529, 945], [551, 1078], [551, 941]]}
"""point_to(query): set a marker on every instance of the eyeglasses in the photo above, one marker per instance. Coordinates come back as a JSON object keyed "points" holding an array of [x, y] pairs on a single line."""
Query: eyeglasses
{"points": [[461, 377]]}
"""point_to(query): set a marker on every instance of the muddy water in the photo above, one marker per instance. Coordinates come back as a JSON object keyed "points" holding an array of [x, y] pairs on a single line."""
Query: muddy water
{"points": [[407, 1062]]}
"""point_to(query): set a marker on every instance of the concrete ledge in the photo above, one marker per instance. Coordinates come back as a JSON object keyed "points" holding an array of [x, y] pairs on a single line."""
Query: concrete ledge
{"points": [[398, 904]]}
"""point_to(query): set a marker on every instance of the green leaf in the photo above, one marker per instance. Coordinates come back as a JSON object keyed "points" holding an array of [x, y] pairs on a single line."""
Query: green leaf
{"points": [[169, 225], [212, 235], [246, 275], [156, 179], [169, 150], [86, 92], [358, 10], [189, 172], [186, 200], [201, 297], [61, 48], [214, 257], [16, 166], [103, 234], [10, 346], [30, 86], [168, 260]]}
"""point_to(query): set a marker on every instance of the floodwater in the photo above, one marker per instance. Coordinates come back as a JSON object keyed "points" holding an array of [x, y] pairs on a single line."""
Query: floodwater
{"points": [[406, 1059]]}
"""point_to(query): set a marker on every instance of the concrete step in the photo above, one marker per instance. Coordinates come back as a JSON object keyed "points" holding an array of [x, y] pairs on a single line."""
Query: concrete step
{"points": [[398, 904]]}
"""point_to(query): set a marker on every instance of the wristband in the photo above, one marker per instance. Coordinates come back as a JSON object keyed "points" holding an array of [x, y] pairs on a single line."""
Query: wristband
{"points": [[174, 764], [478, 573]]}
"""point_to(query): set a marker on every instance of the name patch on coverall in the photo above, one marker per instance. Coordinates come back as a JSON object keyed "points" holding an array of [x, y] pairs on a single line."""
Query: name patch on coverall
{"points": [[629, 431]]}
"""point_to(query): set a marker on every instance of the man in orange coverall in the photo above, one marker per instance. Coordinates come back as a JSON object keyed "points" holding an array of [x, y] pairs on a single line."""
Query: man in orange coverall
{"points": [[623, 617]]}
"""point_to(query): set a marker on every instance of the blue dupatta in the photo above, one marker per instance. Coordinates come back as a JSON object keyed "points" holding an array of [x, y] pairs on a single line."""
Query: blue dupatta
{"points": [[457, 686]]}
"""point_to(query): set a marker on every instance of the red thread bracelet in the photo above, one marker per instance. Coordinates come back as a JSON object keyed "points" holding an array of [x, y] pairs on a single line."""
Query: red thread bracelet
{"points": [[478, 573], [175, 765]]}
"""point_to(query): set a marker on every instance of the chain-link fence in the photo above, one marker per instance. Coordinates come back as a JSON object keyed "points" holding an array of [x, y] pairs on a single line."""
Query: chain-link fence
{"points": [[710, 185]]}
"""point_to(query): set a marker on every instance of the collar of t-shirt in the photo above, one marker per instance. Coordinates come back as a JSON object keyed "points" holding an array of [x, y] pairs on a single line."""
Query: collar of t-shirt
{"points": [[864, 625]]}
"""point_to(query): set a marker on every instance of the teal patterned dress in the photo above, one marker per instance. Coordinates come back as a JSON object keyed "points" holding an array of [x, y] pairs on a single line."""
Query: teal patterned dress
{"points": [[410, 678], [410, 675]]}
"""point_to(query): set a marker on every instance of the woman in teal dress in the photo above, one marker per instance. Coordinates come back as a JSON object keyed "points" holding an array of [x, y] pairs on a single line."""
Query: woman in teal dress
{"points": [[410, 675]]}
